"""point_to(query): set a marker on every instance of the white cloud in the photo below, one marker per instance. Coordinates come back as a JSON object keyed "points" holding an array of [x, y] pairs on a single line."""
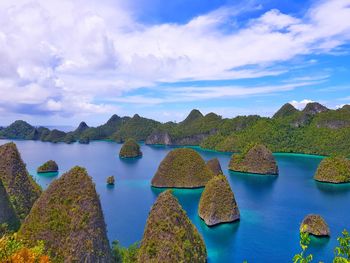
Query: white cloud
{"points": [[66, 56], [300, 104]]}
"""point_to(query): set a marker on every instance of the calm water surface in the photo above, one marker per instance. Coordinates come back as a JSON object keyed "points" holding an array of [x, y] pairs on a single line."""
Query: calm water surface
{"points": [[271, 208]]}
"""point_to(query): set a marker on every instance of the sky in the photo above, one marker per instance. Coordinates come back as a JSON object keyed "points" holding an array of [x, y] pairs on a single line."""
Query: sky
{"points": [[65, 61]]}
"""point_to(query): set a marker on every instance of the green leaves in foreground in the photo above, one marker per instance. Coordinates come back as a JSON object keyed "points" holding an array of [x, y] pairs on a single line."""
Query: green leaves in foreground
{"points": [[342, 252], [124, 254], [304, 243]]}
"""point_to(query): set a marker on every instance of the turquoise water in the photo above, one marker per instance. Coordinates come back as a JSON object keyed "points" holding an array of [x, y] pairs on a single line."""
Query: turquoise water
{"points": [[271, 208]]}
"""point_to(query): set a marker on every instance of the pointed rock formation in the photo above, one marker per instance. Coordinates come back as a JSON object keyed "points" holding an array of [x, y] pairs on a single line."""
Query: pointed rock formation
{"points": [[20, 186], [130, 149], [313, 108], [315, 225], [333, 170], [48, 167], [81, 128], [169, 235], [214, 166], [194, 115], [257, 159], [217, 204], [286, 110], [182, 168], [8, 215], [69, 218]]}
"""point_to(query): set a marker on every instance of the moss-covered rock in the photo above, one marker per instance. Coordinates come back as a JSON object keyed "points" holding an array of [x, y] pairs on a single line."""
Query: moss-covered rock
{"points": [[48, 167], [69, 218], [333, 170], [8, 215], [110, 180], [218, 204], [169, 235], [315, 225], [130, 149], [182, 168], [19, 185], [256, 159], [214, 166]]}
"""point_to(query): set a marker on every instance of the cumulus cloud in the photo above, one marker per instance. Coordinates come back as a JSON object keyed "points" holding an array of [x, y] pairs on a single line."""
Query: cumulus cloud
{"points": [[300, 104], [64, 57]]}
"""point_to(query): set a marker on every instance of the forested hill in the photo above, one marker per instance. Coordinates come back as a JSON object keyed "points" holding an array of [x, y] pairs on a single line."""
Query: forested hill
{"points": [[315, 129]]}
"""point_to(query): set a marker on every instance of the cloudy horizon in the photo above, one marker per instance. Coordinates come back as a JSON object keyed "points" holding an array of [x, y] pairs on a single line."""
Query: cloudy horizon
{"points": [[62, 62]]}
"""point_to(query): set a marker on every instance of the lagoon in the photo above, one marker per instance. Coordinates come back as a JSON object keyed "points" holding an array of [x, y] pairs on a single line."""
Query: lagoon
{"points": [[271, 208]]}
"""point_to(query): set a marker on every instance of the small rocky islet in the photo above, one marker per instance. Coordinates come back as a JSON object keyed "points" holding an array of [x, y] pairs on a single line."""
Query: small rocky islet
{"points": [[256, 159], [334, 170], [182, 168], [169, 235], [217, 203], [110, 180], [48, 167], [315, 225], [130, 149], [69, 218]]}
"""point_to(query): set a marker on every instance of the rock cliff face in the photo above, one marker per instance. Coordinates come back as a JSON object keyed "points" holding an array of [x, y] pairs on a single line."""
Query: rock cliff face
{"points": [[69, 218], [217, 204], [314, 107], [130, 149], [315, 225], [159, 138], [49, 166], [7, 213], [308, 113], [333, 170], [183, 168], [165, 139], [214, 166], [169, 235], [258, 159], [19, 185]]}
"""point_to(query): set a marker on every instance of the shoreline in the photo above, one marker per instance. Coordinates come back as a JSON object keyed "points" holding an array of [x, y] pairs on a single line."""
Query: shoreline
{"points": [[301, 154]]}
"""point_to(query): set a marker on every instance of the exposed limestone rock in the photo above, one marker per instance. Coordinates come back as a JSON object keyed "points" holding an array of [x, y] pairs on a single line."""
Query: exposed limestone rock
{"points": [[315, 225], [214, 166]]}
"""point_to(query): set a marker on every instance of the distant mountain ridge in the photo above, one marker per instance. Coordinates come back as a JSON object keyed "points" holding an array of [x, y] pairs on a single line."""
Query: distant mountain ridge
{"points": [[315, 129]]}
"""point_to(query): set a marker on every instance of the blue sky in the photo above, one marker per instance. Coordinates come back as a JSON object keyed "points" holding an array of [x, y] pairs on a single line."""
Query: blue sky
{"points": [[66, 61]]}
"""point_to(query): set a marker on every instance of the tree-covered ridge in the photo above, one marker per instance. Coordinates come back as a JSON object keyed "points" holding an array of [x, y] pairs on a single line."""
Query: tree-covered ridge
{"points": [[314, 130]]}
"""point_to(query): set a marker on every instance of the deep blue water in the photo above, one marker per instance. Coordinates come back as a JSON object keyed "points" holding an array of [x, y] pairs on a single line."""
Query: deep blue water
{"points": [[271, 208]]}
